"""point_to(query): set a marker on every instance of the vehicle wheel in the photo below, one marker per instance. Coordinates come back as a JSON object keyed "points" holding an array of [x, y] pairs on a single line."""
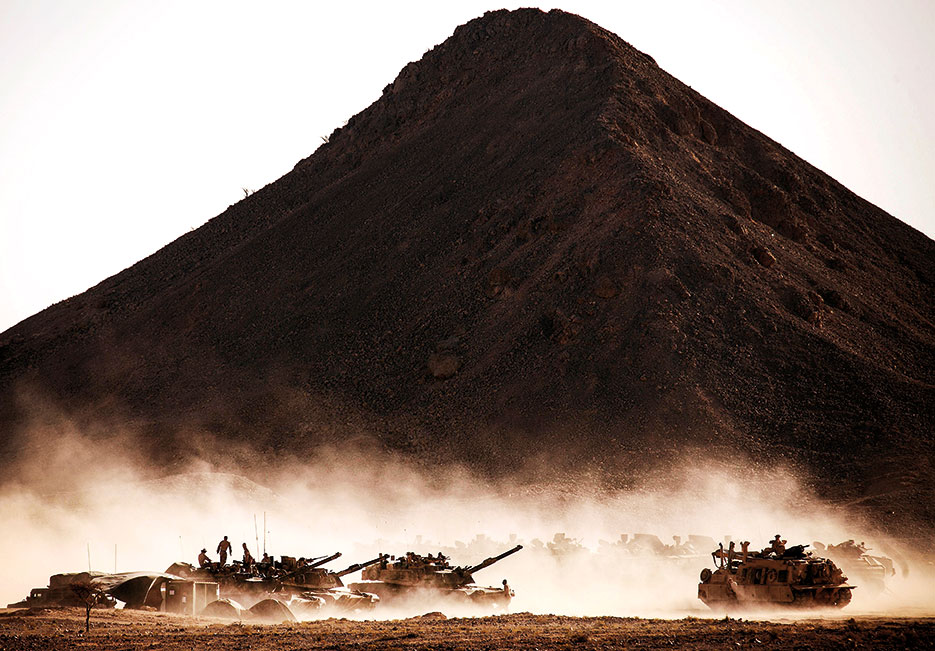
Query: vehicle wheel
{"points": [[841, 598]]}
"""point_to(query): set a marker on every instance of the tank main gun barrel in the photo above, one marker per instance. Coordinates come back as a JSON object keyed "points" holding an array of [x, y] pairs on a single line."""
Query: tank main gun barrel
{"points": [[490, 561], [299, 570], [359, 566], [322, 561]]}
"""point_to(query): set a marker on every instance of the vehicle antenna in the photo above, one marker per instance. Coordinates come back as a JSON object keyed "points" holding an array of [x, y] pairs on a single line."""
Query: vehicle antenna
{"points": [[256, 532], [89, 557]]}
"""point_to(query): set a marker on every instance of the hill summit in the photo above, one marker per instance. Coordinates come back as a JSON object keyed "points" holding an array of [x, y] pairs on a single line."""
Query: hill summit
{"points": [[535, 249]]}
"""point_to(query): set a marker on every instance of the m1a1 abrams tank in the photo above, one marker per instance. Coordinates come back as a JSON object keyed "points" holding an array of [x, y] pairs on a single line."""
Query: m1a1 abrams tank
{"points": [[305, 584], [433, 577], [326, 587], [773, 577]]}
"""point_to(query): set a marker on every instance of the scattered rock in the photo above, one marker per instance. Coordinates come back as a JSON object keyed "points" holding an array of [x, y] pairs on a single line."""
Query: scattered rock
{"points": [[605, 287], [443, 365], [497, 280], [708, 132], [762, 255]]}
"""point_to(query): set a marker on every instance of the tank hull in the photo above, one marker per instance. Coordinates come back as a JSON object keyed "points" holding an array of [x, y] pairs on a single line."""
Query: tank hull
{"points": [[470, 595]]}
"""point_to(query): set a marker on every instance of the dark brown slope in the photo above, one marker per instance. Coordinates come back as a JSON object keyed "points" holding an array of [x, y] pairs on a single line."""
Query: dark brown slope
{"points": [[535, 243]]}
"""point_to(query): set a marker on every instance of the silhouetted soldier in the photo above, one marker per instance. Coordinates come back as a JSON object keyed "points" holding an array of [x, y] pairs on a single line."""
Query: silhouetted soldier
{"points": [[778, 545], [203, 560], [247, 558], [224, 548]]}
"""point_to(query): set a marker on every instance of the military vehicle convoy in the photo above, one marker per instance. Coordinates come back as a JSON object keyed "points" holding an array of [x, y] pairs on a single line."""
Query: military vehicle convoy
{"points": [[774, 577], [413, 575], [303, 584]]}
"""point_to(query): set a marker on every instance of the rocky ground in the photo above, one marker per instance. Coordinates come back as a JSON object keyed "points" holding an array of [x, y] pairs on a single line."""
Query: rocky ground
{"points": [[64, 629]]}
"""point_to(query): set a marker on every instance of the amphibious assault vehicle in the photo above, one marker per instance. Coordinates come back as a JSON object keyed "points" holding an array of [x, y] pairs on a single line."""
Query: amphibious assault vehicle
{"points": [[431, 576], [775, 576]]}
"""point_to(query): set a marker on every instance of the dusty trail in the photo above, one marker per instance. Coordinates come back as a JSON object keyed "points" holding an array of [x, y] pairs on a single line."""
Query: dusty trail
{"points": [[63, 629]]}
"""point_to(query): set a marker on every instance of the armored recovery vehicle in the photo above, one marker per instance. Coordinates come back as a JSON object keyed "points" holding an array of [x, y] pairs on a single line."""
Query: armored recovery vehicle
{"points": [[433, 577], [773, 577]]}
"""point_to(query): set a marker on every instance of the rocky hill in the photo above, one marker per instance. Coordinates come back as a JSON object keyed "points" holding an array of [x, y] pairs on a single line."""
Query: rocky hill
{"points": [[536, 252]]}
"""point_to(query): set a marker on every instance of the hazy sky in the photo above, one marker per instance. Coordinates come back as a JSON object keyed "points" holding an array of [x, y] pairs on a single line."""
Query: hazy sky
{"points": [[125, 124]]}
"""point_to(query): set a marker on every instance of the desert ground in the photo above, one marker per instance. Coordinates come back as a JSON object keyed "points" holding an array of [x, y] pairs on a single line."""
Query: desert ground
{"points": [[124, 630]]}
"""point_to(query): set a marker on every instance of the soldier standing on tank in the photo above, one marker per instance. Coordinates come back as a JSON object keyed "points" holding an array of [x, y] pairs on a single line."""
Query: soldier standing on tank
{"points": [[778, 545], [506, 589], [224, 548], [247, 557]]}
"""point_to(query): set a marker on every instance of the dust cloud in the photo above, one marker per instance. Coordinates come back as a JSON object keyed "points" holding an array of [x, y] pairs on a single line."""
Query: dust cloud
{"points": [[91, 502]]}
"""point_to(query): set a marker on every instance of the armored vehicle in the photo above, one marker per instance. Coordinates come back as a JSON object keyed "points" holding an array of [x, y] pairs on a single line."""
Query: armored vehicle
{"points": [[326, 587], [775, 576], [432, 576], [870, 571], [305, 583]]}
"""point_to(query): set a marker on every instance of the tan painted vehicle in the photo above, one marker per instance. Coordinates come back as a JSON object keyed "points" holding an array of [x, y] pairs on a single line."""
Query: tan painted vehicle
{"points": [[870, 571], [432, 577], [317, 583], [773, 577], [302, 584]]}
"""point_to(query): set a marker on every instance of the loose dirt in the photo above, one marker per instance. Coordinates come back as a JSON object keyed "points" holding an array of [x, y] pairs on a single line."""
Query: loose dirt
{"points": [[126, 631]]}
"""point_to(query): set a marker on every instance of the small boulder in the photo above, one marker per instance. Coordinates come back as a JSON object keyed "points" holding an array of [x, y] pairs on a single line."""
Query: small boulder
{"points": [[762, 255], [443, 365], [708, 132], [605, 288]]}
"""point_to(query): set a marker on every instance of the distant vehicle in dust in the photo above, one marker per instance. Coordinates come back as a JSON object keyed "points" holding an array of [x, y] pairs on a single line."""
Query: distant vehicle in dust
{"points": [[774, 577], [870, 571]]}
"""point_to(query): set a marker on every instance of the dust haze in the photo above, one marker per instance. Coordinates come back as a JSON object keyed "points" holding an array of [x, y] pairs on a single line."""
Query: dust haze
{"points": [[82, 497]]}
